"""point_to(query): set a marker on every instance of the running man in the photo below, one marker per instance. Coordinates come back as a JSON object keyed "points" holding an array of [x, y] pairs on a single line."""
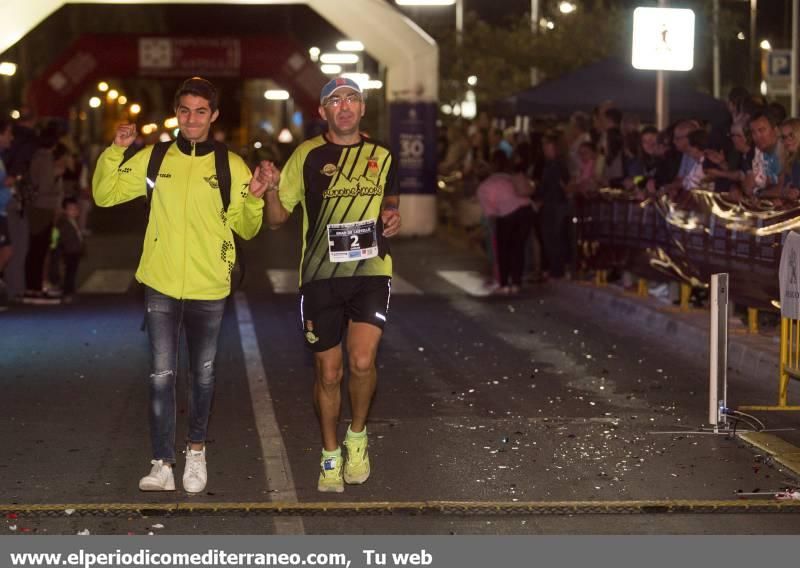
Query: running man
{"points": [[346, 186]]}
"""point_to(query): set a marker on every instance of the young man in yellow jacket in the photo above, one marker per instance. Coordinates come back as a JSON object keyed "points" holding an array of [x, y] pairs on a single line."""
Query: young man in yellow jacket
{"points": [[186, 263]]}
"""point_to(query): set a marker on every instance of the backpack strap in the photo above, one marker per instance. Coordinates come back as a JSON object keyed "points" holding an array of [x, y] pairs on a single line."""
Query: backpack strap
{"points": [[129, 153], [223, 167], [153, 166]]}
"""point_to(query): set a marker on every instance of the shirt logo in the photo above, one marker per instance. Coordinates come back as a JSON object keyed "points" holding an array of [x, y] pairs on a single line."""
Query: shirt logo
{"points": [[212, 181], [329, 169], [372, 165]]}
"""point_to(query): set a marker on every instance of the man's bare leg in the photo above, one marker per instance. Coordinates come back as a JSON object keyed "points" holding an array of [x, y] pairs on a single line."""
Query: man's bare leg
{"points": [[362, 348], [328, 394]]}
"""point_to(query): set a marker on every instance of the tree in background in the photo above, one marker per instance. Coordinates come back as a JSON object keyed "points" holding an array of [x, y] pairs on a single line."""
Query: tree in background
{"points": [[501, 56]]}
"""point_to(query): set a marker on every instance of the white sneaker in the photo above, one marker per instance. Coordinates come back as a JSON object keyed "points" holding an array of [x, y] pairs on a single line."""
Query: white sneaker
{"points": [[195, 475], [160, 478]]}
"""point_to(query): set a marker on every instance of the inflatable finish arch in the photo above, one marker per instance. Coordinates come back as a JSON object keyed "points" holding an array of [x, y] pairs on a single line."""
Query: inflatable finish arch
{"points": [[410, 55]]}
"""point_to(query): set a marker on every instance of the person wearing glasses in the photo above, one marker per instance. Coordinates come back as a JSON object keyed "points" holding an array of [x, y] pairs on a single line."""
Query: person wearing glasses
{"points": [[347, 188], [680, 140], [764, 180], [729, 173]]}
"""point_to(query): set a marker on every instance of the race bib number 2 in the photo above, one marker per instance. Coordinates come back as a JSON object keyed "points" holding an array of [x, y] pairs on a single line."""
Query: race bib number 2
{"points": [[352, 241]]}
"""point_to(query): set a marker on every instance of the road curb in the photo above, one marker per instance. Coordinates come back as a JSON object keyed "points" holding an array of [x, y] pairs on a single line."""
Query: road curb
{"points": [[781, 451], [752, 356]]}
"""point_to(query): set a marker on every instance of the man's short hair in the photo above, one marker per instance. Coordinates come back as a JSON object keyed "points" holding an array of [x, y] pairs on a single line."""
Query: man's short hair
{"points": [[766, 116], [649, 129], [198, 87], [690, 124], [698, 139]]}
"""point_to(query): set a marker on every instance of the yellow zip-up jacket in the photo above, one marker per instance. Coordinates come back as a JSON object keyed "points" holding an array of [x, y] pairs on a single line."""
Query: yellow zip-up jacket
{"points": [[188, 248]]}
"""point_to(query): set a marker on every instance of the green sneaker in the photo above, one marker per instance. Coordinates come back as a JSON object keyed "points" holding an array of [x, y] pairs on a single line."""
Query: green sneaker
{"points": [[330, 475], [356, 467]]}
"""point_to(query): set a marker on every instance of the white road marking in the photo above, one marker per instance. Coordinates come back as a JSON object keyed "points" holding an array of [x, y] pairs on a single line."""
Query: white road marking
{"points": [[276, 462], [108, 281], [284, 281], [472, 282], [401, 286]]}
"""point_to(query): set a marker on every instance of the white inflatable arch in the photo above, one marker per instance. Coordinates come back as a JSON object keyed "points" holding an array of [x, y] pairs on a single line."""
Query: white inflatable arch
{"points": [[411, 57]]}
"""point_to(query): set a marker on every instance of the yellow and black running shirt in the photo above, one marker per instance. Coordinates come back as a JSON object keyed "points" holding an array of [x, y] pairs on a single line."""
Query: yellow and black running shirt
{"points": [[338, 185]]}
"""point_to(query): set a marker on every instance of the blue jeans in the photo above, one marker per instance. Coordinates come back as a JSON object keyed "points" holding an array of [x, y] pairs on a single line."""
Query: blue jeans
{"points": [[165, 318]]}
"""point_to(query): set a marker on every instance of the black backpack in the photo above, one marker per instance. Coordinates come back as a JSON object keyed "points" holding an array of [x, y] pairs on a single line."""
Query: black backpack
{"points": [[223, 171]]}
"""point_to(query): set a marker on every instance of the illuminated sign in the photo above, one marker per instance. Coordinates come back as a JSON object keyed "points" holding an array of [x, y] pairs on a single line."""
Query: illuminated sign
{"points": [[663, 39]]}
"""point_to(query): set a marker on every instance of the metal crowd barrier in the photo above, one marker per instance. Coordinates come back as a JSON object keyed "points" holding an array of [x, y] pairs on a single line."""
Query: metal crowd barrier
{"points": [[688, 241], [789, 367], [661, 240]]}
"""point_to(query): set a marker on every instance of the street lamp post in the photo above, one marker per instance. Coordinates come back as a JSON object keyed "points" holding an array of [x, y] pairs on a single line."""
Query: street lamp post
{"points": [[662, 91], [459, 22]]}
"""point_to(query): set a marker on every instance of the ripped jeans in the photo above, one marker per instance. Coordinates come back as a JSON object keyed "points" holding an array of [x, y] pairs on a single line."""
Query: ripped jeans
{"points": [[201, 319]]}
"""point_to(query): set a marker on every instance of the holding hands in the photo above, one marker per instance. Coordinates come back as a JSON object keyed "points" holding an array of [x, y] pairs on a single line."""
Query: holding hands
{"points": [[265, 179]]}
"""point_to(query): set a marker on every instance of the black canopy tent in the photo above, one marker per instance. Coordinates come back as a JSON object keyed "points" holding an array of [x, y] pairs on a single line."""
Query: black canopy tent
{"points": [[631, 90]]}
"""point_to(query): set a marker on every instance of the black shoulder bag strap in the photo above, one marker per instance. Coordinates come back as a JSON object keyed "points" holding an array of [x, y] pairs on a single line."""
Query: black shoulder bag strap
{"points": [[153, 167]]}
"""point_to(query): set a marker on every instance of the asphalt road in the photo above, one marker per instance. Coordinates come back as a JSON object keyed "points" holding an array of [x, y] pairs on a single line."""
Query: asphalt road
{"points": [[480, 400]]}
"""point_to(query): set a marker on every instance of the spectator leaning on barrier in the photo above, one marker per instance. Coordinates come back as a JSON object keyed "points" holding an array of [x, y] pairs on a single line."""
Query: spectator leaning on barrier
{"points": [[697, 144], [642, 170], [680, 139], [729, 172], [767, 167]]}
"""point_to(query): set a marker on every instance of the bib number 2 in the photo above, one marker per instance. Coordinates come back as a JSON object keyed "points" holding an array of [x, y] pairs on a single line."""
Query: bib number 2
{"points": [[352, 241]]}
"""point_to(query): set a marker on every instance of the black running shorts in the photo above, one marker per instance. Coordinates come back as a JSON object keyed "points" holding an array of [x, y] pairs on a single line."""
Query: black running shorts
{"points": [[326, 306]]}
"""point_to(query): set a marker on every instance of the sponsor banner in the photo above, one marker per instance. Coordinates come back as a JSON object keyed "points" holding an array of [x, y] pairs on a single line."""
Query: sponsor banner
{"points": [[185, 57], [413, 144]]}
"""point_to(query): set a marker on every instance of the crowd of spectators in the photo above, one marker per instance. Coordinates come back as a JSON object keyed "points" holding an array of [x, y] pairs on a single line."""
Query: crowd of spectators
{"points": [[45, 198], [750, 157]]}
